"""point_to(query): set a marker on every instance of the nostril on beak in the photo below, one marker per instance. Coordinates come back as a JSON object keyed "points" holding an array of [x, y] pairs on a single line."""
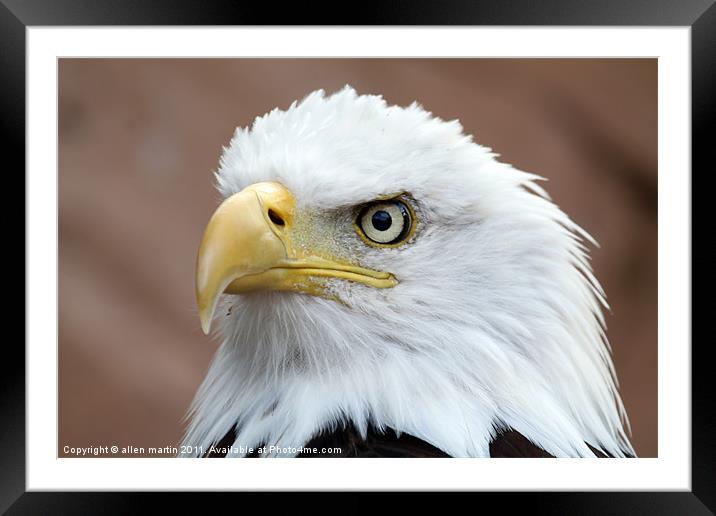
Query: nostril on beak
{"points": [[276, 218]]}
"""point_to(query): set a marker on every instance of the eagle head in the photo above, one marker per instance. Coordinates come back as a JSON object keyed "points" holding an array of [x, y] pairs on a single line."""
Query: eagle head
{"points": [[372, 265]]}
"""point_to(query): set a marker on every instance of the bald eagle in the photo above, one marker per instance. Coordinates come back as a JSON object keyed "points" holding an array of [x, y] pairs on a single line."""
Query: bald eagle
{"points": [[383, 286]]}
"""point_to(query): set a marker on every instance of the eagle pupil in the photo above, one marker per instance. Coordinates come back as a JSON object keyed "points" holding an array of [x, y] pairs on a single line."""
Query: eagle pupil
{"points": [[382, 220]]}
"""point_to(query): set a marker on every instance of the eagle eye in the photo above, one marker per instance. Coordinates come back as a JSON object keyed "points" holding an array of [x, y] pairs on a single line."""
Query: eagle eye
{"points": [[385, 223]]}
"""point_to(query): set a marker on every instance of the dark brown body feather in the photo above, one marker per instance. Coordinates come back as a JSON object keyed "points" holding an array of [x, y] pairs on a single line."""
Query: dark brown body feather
{"points": [[347, 442]]}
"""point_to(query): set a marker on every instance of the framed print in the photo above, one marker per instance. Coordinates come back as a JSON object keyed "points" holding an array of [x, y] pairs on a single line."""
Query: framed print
{"points": [[434, 251]]}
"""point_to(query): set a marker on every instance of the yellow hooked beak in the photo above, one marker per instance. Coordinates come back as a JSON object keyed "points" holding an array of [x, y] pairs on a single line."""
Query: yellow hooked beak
{"points": [[248, 246]]}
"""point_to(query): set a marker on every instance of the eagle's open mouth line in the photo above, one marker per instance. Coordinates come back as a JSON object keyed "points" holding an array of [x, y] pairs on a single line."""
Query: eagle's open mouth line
{"points": [[290, 273], [373, 278], [322, 268]]}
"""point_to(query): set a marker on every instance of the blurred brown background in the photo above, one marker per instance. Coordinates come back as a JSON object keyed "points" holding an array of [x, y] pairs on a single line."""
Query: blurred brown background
{"points": [[140, 138]]}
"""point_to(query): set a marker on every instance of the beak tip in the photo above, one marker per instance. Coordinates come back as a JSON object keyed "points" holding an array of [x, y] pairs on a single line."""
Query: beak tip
{"points": [[206, 327], [205, 319]]}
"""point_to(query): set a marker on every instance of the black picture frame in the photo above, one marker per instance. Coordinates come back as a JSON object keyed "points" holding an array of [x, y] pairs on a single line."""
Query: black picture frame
{"points": [[17, 15]]}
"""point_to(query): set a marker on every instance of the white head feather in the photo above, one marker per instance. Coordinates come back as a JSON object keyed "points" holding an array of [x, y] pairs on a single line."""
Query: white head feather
{"points": [[496, 322]]}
